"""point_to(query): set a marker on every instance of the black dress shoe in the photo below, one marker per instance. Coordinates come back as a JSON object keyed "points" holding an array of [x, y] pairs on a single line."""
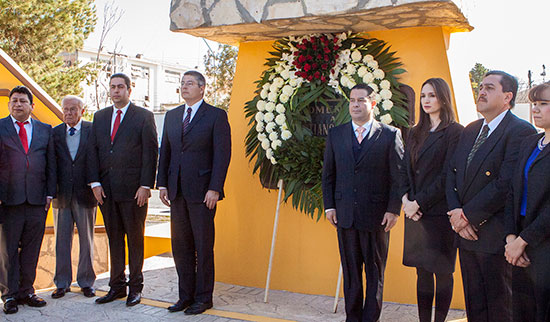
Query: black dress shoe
{"points": [[60, 292], [10, 306], [180, 306], [111, 296], [198, 308], [33, 300], [133, 298], [88, 291]]}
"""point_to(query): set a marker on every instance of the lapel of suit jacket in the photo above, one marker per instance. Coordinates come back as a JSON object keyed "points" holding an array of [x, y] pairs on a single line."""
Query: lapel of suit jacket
{"points": [[518, 181], [62, 137], [10, 128], [177, 126], [346, 142], [374, 133], [84, 133], [485, 149], [130, 112], [197, 117], [35, 134], [462, 153], [430, 140]]}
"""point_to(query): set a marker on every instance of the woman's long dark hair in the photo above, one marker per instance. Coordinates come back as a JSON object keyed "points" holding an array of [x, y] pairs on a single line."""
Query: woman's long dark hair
{"points": [[420, 131]]}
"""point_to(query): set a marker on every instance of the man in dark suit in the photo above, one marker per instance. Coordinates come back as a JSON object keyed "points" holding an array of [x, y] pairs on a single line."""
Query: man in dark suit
{"points": [[75, 202], [28, 184], [194, 157], [122, 161], [361, 199], [477, 185]]}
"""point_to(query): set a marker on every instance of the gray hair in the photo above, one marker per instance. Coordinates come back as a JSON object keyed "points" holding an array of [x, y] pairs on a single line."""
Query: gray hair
{"points": [[73, 97], [198, 77]]}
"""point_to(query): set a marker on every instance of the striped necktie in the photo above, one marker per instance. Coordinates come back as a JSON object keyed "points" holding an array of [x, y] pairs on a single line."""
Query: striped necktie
{"points": [[479, 141]]}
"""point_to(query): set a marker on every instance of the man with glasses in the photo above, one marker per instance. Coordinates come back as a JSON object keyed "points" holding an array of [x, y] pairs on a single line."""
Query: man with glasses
{"points": [[194, 157]]}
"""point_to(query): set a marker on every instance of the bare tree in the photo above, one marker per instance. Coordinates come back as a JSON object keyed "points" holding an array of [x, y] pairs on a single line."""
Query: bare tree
{"points": [[111, 16]]}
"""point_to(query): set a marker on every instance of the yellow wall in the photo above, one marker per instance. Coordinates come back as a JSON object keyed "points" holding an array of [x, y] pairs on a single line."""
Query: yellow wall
{"points": [[306, 258]]}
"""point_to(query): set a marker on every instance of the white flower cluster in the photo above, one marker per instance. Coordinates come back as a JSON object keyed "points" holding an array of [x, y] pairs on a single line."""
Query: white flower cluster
{"points": [[352, 65], [271, 119]]}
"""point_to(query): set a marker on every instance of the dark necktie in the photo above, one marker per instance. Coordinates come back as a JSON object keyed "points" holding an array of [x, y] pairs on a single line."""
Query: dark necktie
{"points": [[479, 141], [186, 122], [71, 131], [23, 135], [116, 125]]}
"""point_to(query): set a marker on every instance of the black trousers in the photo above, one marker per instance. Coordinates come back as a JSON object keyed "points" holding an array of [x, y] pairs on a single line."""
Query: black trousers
{"points": [[369, 251], [23, 229], [125, 219], [192, 228], [487, 286]]}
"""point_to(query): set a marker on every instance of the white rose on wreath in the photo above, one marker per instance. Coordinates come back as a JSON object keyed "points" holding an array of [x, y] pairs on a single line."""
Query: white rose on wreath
{"points": [[273, 136], [280, 119], [387, 104], [385, 84], [284, 98], [259, 117], [280, 108], [272, 97], [385, 94], [270, 127], [270, 106], [386, 118], [286, 135]]}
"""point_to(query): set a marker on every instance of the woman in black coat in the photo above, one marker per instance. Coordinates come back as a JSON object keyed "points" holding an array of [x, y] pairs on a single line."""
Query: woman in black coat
{"points": [[528, 218], [429, 239]]}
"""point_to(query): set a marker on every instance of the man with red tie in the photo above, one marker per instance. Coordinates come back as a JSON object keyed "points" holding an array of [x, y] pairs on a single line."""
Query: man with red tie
{"points": [[122, 162], [27, 187]]}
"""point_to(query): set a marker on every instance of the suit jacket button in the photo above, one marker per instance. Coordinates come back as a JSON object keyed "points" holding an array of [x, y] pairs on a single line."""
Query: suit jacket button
{"points": [[488, 173], [355, 171], [110, 151], [455, 189], [454, 169], [417, 172], [354, 190]]}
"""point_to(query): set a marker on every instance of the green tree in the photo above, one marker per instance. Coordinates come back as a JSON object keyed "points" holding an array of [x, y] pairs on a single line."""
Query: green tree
{"points": [[219, 71], [476, 76], [36, 32]]}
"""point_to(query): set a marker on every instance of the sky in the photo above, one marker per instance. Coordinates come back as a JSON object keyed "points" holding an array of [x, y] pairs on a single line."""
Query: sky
{"points": [[508, 35]]}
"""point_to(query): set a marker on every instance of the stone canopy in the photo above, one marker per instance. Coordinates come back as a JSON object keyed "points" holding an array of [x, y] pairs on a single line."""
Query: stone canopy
{"points": [[234, 21]]}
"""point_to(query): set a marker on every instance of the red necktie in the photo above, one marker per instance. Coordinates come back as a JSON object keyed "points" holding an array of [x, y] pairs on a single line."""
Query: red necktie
{"points": [[23, 135], [116, 125]]}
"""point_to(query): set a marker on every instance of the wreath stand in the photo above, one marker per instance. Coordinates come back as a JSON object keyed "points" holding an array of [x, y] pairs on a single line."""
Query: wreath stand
{"points": [[272, 252]]}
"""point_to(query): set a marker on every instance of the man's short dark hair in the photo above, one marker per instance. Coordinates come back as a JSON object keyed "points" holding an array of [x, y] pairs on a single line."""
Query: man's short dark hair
{"points": [[363, 86], [508, 82], [123, 76], [201, 81], [22, 90]]}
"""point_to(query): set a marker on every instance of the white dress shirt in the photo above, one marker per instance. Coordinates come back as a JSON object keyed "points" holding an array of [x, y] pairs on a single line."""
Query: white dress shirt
{"points": [[194, 109], [493, 124]]}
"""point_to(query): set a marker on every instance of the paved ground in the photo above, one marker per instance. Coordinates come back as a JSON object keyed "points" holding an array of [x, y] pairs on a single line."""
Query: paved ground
{"points": [[231, 303]]}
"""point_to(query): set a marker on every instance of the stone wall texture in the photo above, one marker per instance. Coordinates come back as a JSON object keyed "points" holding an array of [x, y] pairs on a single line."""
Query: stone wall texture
{"points": [[46, 262], [234, 21]]}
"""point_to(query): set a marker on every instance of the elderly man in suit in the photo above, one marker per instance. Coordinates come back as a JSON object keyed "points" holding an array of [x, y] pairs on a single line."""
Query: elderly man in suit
{"points": [[28, 181], [477, 185], [362, 200], [122, 162], [194, 157], [75, 202]]}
